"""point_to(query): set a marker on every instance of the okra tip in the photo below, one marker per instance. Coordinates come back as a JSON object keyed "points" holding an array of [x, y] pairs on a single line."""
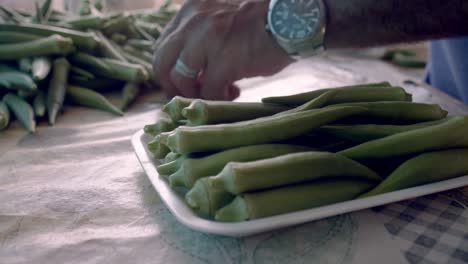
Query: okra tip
{"points": [[197, 196], [177, 179], [236, 211]]}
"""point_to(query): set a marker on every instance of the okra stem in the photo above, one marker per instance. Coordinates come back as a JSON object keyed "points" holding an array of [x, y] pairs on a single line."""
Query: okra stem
{"points": [[82, 40], [54, 44]]}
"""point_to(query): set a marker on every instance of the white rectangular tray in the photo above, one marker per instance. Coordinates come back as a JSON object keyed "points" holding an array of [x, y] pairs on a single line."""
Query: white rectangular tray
{"points": [[186, 216]]}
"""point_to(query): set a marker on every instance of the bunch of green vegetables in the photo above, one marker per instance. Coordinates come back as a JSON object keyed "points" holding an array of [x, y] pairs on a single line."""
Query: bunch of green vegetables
{"points": [[237, 161], [49, 57]]}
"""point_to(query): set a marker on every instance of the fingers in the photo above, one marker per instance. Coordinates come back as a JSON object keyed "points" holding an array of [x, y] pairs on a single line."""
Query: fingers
{"points": [[164, 60], [193, 56], [216, 83]]}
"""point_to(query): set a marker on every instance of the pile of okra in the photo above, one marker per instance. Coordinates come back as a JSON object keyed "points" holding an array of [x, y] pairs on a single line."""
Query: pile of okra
{"points": [[237, 161], [49, 58]]}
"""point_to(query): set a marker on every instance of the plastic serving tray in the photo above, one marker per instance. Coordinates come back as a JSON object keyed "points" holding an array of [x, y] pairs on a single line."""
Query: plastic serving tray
{"points": [[175, 202]]}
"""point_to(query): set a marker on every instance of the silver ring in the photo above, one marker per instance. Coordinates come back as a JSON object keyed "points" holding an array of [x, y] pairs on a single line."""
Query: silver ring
{"points": [[185, 70]]}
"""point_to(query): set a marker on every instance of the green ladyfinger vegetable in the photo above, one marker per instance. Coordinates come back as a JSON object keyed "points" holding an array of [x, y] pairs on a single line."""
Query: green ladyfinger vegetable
{"points": [[97, 84], [175, 106], [205, 199], [450, 134], [16, 37], [317, 102], [41, 67], [81, 72], [82, 40], [170, 167], [203, 112], [142, 54], [4, 115], [89, 98], [119, 38], [423, 169], [22, 110], [25, 64], [171, 156], [118, 24], [408, 62], [140, 44], [39, 104], [54, 44], [16, 80], [163, 125], [263, 130], [110, 68], [158, 149], [57, 88], [192, 169], [240, 177], [290, 199], [399, 112], [86, 22], [364, 133], [129, 94], [356, 93], [107, 49]]}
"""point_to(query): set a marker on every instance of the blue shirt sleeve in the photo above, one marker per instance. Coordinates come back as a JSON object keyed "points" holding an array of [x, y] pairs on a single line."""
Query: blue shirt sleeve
{"points": [[447, 69]]}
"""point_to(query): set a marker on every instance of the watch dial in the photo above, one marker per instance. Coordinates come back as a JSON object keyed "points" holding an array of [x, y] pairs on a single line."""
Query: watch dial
{"points": [[295, 19]]}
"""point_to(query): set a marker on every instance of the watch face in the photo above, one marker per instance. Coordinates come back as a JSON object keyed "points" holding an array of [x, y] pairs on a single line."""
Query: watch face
{"points": [[295, 19]]}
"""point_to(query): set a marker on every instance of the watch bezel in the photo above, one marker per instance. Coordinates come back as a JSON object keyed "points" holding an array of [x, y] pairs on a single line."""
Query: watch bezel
{"points": [[313, 41]]}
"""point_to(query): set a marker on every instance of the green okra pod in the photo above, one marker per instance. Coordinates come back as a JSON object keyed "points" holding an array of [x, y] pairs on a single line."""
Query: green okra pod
{"points": [[174, 107], [54, 44], [142, 54], [203, 112], [119, 39], [87, 22], [140, 44], [364, 133], [25, 65], [158, 149], [22, 111], [57, 88], [317, 102], [13, 15], [163, 125], [423, 169], [397, 112], [290, 199], [39, 104], [371, 92], [41, 67], [110, 68], [191, 169], [107, 49], [408, 62], [205, 199], [118, 24], [81, 72], [171, 156], [16, 80], [89, 98], [16, 37], [4, 115], [240, 177], [130, 93], [263, 130], [449, 134], [82, 40]]}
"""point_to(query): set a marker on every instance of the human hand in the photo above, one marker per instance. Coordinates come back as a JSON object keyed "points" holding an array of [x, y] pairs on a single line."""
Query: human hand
{"points": [[221, 41]]}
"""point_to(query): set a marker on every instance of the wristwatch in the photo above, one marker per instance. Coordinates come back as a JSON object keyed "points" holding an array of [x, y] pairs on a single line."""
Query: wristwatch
{"points": [[298, 26]]}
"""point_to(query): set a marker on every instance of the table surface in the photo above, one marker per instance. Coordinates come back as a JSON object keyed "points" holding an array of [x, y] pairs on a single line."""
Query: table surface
{"points": [[75, 193]]}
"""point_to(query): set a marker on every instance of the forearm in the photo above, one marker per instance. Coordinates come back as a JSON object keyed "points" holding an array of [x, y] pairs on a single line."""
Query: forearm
{"points": [[363, 23]]}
